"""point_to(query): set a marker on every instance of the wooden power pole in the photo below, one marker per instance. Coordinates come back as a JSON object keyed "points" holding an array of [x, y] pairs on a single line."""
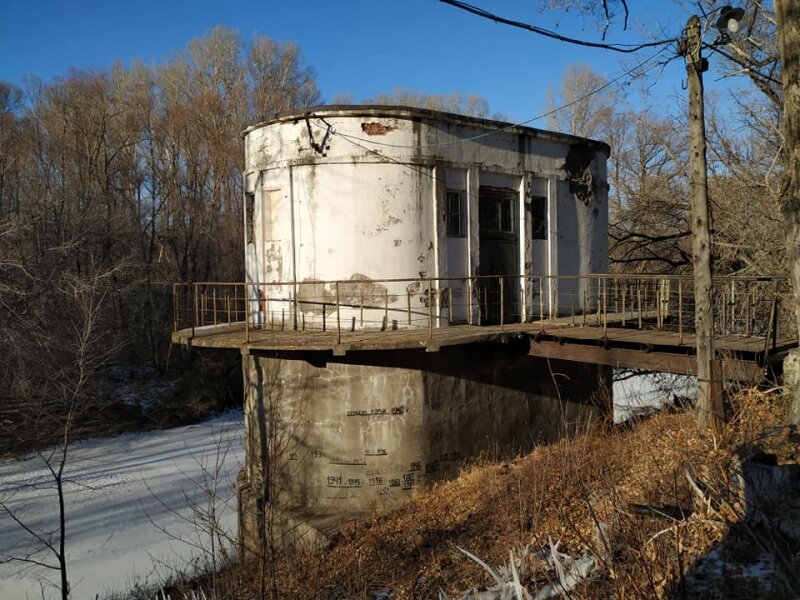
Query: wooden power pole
{"points": [[709, 393]]}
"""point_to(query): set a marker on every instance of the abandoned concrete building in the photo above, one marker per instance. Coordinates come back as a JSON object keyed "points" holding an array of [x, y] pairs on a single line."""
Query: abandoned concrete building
{"points": [[367, 229]]}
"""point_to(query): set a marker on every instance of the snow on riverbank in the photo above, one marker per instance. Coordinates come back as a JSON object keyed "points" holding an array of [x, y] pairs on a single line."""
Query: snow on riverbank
{"points": [[130, 503], [641, 393]]}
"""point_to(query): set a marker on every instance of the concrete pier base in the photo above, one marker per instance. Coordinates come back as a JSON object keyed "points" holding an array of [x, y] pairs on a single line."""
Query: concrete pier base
{"points": [[333, 439], [791, 383]]}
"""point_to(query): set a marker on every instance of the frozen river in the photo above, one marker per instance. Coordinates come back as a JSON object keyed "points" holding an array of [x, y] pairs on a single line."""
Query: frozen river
{"points": [[132, 500], [132, 505]]}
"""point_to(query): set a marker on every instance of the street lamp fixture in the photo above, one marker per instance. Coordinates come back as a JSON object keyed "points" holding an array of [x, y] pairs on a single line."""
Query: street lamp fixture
{"points": [[729, 19]]}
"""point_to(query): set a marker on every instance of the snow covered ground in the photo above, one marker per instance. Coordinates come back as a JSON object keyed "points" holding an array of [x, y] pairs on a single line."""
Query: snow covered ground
{"points": [[644, 392], [132, 505]]}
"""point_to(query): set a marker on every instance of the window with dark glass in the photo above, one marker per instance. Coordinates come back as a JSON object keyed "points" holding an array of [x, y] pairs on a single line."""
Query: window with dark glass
{"points": [[496, 209], [456, 216]]}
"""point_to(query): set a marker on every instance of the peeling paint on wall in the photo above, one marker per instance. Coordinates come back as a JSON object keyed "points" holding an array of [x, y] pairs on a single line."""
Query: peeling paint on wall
{"points": [[313, 297], [362, 288], [375, 128]]}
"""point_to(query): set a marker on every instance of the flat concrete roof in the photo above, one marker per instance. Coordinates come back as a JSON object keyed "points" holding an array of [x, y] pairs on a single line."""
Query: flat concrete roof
{"points": [[425, 114]]}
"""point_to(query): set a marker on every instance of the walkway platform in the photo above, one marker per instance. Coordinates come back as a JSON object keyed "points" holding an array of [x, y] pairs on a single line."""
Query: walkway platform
{"points": [[742, 357]]}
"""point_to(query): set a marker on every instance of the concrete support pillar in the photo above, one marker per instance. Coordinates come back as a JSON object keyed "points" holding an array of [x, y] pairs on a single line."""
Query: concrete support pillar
{"points": [[791, 384], [331, 441]]}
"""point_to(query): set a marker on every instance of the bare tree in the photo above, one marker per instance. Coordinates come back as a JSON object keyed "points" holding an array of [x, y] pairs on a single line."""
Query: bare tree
{"points": [[472, 105], [58, 408], [586, 112]]}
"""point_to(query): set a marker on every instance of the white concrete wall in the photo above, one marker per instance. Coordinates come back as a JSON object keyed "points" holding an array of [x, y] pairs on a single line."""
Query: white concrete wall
{"points": [[371, 206]]}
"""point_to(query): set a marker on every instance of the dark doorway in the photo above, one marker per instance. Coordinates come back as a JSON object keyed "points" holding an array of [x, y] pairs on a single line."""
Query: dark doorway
{"points": [[499, 254]]}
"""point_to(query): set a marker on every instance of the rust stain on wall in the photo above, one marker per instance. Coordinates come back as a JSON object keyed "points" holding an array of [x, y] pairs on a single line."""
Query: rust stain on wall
{"points": [[375, 128]]}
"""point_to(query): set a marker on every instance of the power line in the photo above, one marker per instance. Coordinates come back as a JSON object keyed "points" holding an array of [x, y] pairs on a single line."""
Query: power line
{"points": [[597, 90], [625, 48]]}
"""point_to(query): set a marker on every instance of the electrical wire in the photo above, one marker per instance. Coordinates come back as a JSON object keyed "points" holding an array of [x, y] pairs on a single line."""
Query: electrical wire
{"points": [[353, 138], [625, 48]]}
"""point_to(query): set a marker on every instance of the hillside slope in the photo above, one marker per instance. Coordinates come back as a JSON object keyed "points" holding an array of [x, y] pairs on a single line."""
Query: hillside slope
{"points": [[643, 506]]}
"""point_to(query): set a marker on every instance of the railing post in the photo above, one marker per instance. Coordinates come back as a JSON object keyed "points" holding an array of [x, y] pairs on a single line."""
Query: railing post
{"points": [[196, 311], [268, 312], [294, 306], [214, 303], [502, 303], [430, 310], [408, 304], [246, 314], [228, 306], [776, 306], [585, 304], [659, 306], [572, 307], [361, 308], [449, 305], [541, 301], [605, 307], [338, 317], [624, 294], [748, 314], [235, 301], [469, 301], [386, 309], [639, 300], [680, 311], [174, 307], [599, 302]]}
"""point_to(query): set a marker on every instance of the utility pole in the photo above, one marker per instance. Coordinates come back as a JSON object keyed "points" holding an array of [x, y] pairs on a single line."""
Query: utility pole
{"points": [[709, 392]]}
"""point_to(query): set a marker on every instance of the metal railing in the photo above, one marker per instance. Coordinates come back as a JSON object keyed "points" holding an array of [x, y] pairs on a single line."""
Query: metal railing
{"points": [[745, 306]]}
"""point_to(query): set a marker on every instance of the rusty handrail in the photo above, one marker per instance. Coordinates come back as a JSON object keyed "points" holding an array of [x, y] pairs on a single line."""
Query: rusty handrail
{"points": [[608, 300]]}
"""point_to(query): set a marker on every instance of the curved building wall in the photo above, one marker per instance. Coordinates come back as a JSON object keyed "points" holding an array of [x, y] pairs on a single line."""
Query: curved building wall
{"points": [[362, 194]]}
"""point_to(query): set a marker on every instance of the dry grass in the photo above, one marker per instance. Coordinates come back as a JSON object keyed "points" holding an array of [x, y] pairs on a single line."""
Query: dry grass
{"points": [[561, 492]]}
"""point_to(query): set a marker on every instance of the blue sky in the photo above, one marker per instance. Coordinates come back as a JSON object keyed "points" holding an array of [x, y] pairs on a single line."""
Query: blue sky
{"points": [[361, 47]]}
